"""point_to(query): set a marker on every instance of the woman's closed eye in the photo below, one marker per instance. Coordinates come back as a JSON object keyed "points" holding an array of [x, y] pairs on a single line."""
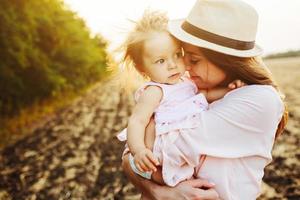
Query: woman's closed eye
{"points": [[193, 61]]}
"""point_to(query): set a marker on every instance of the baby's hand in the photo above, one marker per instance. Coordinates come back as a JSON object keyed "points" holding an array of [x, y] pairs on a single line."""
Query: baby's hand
{"points": [[145, 161], [236, 84]]}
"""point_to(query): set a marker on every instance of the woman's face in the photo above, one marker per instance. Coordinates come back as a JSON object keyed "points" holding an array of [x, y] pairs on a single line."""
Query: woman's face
{"points": [[205, 74]]}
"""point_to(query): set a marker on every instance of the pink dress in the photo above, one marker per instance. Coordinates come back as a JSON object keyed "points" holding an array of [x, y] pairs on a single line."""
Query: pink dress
{"points": [[177, 111]]}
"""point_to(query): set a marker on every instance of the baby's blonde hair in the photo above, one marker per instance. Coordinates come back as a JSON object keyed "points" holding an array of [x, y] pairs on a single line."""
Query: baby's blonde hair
{"points": [[132, 48]]}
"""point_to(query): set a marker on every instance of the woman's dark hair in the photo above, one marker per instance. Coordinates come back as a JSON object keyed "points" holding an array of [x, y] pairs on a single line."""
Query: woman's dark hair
{"points": [[250, 70]]}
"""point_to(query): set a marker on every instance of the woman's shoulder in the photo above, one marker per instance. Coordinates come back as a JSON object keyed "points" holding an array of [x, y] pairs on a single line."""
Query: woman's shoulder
{"points": [[253, 108], [255, 92], [254, 89], [261, 98]]}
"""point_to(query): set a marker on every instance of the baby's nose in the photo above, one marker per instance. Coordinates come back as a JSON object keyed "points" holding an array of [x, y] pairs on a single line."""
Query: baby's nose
{"points": [[172, 65]]}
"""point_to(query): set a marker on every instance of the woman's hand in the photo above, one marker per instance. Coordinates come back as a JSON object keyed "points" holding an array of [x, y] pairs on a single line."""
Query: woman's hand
{"points": [[236, 84], [183, 191], [191, 189]]}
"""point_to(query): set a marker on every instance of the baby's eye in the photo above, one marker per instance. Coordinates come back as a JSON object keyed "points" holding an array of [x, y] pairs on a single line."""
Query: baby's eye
{"points": [[160, 61]]}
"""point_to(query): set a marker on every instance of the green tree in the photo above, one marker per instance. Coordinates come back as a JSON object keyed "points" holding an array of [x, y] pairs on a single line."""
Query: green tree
{"points": [[45, 49]]}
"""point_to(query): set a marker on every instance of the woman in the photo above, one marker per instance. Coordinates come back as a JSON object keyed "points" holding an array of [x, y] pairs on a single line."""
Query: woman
{"points": [[237, 132]]}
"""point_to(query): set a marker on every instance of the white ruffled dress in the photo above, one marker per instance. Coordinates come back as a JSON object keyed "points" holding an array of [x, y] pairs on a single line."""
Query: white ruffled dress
{"points": [[178, 110]]}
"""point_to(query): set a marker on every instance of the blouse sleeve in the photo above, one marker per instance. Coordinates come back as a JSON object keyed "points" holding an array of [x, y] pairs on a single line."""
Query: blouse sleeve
{"points": [[241, 124]]}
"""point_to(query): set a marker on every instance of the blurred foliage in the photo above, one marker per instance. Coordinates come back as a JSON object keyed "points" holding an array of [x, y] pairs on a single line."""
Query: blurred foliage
{"points": [[45, 49], [293, 53]]}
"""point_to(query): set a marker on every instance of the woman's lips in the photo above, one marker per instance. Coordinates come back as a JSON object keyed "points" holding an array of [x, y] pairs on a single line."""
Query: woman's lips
{"points": [[194, 77]]}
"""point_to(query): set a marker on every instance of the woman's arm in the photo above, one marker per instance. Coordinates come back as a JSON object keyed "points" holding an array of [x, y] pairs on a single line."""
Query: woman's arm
{"points": [[184, 190], [214, 94], [243, 123], [218, 93]]}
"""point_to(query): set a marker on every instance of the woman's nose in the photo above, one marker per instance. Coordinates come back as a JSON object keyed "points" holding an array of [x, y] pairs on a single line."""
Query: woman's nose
{"points": [[188, 67]]}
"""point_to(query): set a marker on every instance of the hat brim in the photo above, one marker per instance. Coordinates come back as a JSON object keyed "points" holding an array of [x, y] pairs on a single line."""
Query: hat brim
{"points": [[174, 27]]}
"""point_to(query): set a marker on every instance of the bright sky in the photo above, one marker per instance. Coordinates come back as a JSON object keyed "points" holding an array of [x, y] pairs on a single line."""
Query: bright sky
{"points": [[278, 29]]}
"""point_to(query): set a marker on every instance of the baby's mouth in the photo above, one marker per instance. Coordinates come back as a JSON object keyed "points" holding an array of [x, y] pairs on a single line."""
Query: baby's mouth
{"points": [[174, 76]]}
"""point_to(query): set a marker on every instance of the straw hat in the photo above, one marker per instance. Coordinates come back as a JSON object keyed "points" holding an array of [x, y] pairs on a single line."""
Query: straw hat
{"points": [[225, 26]]}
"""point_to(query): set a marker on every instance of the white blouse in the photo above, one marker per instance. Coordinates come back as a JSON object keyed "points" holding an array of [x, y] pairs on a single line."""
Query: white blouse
{"points": [[237, 134]]}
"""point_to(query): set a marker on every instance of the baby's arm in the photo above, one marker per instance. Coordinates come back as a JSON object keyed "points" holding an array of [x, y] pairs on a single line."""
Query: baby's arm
{"points": [[149, 140], [137, 123]]}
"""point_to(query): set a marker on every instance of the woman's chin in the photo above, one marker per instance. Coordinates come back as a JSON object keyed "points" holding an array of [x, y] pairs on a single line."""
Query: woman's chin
{"points": [[198, 82]]}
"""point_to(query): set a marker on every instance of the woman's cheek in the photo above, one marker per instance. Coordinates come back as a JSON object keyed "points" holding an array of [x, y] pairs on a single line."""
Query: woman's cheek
{"points": [[199, 82]]}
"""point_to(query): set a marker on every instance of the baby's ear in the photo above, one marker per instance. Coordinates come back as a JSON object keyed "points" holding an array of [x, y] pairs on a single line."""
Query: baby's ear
{"points": [[143, 73]]}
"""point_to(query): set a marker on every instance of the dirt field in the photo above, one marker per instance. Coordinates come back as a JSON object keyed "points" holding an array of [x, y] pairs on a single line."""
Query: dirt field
{"points": [[283, 174], [75, 154]]}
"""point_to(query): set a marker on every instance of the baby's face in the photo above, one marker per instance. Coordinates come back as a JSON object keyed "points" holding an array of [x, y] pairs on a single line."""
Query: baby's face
{"points": [[162, 58]]}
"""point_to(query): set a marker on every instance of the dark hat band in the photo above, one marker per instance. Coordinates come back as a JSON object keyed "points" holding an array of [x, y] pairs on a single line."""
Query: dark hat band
{"points": [[216, 39]]}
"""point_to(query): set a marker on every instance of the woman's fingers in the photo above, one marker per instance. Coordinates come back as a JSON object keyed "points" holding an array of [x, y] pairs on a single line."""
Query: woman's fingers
{"points": [[231, 85], [206, 190], [200, 183], [239, 83], [196, 189], [236, 84], [209, 194]]}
